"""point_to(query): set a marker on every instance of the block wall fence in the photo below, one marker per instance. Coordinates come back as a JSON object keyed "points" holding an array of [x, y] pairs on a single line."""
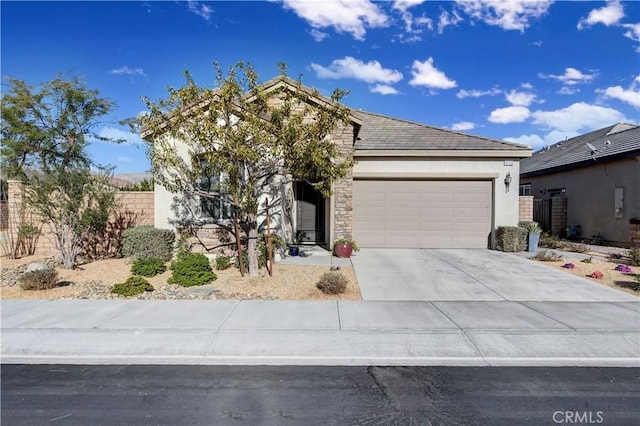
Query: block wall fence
{"points": [[138, 202]]}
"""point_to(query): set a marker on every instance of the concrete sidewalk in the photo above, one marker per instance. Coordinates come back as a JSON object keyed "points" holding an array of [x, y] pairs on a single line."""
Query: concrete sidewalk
{"points": [[478, 333]]}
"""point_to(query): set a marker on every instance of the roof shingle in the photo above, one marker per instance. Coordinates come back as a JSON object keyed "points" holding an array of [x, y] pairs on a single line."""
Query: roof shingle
{"points": [[380, 132], [608, 143]]}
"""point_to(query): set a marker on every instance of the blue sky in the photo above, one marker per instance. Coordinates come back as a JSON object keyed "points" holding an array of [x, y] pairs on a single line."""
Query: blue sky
{"points": [[532, 72]]}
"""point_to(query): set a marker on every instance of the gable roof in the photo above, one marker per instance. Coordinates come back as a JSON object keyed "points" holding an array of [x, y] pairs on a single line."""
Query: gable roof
{"points": [[610, 143], [380, 132]]}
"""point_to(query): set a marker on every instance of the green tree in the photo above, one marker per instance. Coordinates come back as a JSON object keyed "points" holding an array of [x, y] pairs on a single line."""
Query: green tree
{"points": [[250, 132], [45, 134]]}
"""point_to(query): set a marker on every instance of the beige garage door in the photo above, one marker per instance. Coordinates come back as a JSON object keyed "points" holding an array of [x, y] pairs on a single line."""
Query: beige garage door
{"points": [[421, 214]]}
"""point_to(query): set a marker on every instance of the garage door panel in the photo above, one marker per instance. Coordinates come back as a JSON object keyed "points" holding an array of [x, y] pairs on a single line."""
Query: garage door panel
{"points": [[429, 214]]}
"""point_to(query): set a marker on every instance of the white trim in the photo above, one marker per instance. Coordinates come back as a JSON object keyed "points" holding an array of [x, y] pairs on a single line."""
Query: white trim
{"points": [[409, 175]]}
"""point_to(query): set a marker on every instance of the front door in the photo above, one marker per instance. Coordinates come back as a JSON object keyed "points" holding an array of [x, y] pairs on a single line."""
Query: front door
{"points": [[310, 214]]}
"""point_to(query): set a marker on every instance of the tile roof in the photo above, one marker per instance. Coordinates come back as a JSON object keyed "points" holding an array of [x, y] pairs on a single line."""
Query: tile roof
{"points": [[380, 132], [608, 143]]}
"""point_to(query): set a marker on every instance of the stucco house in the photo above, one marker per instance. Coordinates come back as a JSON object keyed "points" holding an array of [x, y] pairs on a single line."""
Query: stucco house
{"points": [[412, 185], [596, 176]]}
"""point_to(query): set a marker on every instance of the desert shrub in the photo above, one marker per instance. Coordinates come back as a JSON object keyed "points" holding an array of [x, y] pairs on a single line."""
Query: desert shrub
{"points": [[222, 263], [191, 269], [549, 241], [145, 241], [634, 256], [332, 282], [587, 260], [41, 279], [132, 286], [148, 267], [511, 238], [575, 247], [547, 256], [614, 256]]}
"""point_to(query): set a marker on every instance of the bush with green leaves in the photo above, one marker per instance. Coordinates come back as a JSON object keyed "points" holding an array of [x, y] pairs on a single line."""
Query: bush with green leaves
{"points": [[148, 267], [191, 269], [332, 282], [132, 286], [511, 238], [40, 279], [222, 262], [146, 241], [531, 226]]}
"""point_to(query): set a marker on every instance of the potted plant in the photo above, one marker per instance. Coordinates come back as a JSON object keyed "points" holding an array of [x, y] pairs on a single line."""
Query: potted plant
{"points": [[534, 235], [343, 247]]}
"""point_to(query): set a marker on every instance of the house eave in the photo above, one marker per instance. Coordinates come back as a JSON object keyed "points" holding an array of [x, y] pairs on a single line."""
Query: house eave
{"points": [[485, 153], [581, 164]]}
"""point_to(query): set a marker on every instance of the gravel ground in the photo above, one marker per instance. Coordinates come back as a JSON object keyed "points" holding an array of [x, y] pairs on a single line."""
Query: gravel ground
{"points": [[611, 277], [94, 280]]}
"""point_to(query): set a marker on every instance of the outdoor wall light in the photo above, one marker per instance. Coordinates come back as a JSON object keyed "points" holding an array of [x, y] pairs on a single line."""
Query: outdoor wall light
{"points": [[507, 181]]}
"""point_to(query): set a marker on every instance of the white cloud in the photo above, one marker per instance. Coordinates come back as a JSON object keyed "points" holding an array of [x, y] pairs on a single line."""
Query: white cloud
{"points": [[506, 14], [200, 9], [124, 159], [537, 43], [384, 89], [570, 77], [421, 21], [425, 74], [318, 35], [120, 135], [568, 90], [633, 31], [349, 67], [403, 5], [520, 98], [526, 86], [578, 117], [127, 71], [534, 141], [630, 95], [447, 19], [511, 114], [463, 125], [607, 15], [462, 93], [345, 16]]}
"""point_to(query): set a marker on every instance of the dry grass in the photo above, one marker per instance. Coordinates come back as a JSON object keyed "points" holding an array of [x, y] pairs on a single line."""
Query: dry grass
{"points": [[289, 282]]}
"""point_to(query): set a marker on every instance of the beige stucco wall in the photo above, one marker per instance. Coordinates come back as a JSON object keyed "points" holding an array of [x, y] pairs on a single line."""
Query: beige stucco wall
{"points": [[506, 207], [590, 196]]}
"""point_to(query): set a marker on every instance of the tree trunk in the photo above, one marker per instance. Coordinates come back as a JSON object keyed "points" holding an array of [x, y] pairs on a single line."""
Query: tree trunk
{"points": [[67, 243], [252, 247]]}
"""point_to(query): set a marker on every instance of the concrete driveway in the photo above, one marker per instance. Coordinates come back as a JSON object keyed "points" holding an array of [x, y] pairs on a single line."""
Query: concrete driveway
{"points": [[470, 275]]}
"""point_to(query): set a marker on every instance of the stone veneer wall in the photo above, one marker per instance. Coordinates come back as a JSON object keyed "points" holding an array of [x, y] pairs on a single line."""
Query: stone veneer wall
{"points": [[525, 208], [343, 188]]}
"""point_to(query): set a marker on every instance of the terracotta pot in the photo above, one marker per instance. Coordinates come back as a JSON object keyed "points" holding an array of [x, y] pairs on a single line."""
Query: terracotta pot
{"points": [[343, 250]]}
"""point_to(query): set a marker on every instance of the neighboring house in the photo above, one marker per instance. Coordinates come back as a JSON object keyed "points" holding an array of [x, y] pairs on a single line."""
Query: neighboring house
{"points": [[597, 176], [413, 185]]}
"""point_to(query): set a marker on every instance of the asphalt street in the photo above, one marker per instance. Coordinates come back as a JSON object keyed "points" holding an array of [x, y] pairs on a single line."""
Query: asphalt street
{"points": [[228, 395]]}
